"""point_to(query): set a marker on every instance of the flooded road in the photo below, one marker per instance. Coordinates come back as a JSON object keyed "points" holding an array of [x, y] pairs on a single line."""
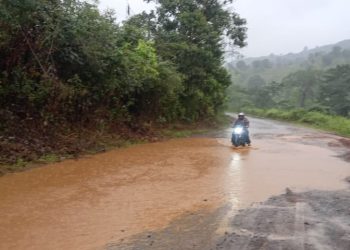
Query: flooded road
{"points": [[184, 189]]}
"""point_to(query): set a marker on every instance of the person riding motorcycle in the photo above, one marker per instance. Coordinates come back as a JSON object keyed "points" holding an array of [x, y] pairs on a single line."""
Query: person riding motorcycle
{"points": [[244, 122]]}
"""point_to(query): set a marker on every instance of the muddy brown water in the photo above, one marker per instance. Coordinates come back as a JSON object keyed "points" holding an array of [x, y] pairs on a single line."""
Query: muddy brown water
{"points": [[107, 198]]}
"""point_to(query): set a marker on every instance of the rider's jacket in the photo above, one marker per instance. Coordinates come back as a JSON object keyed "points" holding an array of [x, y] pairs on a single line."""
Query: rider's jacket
{"points": [[241, 122]]}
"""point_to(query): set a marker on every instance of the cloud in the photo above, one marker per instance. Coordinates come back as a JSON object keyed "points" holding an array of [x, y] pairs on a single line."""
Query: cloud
{"points": [[276, 26]]}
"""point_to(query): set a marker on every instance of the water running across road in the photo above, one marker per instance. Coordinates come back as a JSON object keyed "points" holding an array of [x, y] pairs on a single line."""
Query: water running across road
{"points": [[101, 201]]}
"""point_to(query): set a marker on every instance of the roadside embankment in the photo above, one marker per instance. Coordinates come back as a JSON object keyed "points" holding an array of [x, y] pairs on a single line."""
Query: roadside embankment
{"points": [[35, 146]]}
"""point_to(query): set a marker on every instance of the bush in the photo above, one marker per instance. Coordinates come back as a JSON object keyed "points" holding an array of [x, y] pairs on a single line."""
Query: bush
{"points": [[296, 114], [316, 118], [338, 124]]}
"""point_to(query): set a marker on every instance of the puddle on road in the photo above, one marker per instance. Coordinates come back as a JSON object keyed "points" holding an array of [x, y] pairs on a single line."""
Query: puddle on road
{"points": [[90, 202]]}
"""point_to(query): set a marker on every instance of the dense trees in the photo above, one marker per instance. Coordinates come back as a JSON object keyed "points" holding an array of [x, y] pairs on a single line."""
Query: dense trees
{"points": [[325, 91], [335, 90], [316, 80], [63, 63], [189, 34], [65, 58], [302, 85]]}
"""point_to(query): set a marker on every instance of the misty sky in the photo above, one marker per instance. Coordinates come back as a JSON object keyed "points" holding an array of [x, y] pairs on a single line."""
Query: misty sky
{"points": [[277, 26]]}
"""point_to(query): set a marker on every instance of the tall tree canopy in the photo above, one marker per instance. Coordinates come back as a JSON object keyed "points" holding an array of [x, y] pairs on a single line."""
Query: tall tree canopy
{"points": [[63, 63], [193, 34], [335, 90]]}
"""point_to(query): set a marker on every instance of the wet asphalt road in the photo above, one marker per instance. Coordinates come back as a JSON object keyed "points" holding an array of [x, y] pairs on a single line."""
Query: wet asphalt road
{"points": [[295, 157]]}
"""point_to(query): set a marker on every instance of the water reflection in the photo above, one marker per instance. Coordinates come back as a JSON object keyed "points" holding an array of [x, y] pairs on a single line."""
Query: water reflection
{"points": [[235, 175], [236, 157], [233, 186]]}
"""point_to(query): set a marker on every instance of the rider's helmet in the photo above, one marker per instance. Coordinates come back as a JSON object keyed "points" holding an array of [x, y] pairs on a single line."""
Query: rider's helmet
{"points": [[241, 115]]}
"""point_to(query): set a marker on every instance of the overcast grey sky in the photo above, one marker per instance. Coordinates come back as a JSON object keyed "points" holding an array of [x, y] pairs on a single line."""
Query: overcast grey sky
{"points": [[277, 26]]}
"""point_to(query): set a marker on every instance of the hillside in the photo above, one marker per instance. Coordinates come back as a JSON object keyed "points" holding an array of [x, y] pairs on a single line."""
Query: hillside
{"points": [[304, 54], [317, 79], [276, 67]]}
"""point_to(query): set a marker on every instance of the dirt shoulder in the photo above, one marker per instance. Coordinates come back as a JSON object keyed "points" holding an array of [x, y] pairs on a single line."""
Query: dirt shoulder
{"points": [[31, 148]]}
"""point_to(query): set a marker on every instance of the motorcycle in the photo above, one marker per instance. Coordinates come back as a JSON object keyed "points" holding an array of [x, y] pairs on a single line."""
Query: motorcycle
{"points": [[239, 136]]}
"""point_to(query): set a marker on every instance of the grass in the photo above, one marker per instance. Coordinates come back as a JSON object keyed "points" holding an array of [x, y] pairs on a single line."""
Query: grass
{"points": [[337, 124], [49, 158]]}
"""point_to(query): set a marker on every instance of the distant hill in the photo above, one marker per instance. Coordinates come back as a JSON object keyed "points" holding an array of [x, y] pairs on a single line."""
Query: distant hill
{"points": [[345, 45], [276, 67]]}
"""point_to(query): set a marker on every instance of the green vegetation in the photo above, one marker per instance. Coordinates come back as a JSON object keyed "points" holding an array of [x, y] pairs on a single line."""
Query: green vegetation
{"points": [[314, 90], [337, 124], [70, 75], [49, 158], [315, 82], [311, 87]]}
